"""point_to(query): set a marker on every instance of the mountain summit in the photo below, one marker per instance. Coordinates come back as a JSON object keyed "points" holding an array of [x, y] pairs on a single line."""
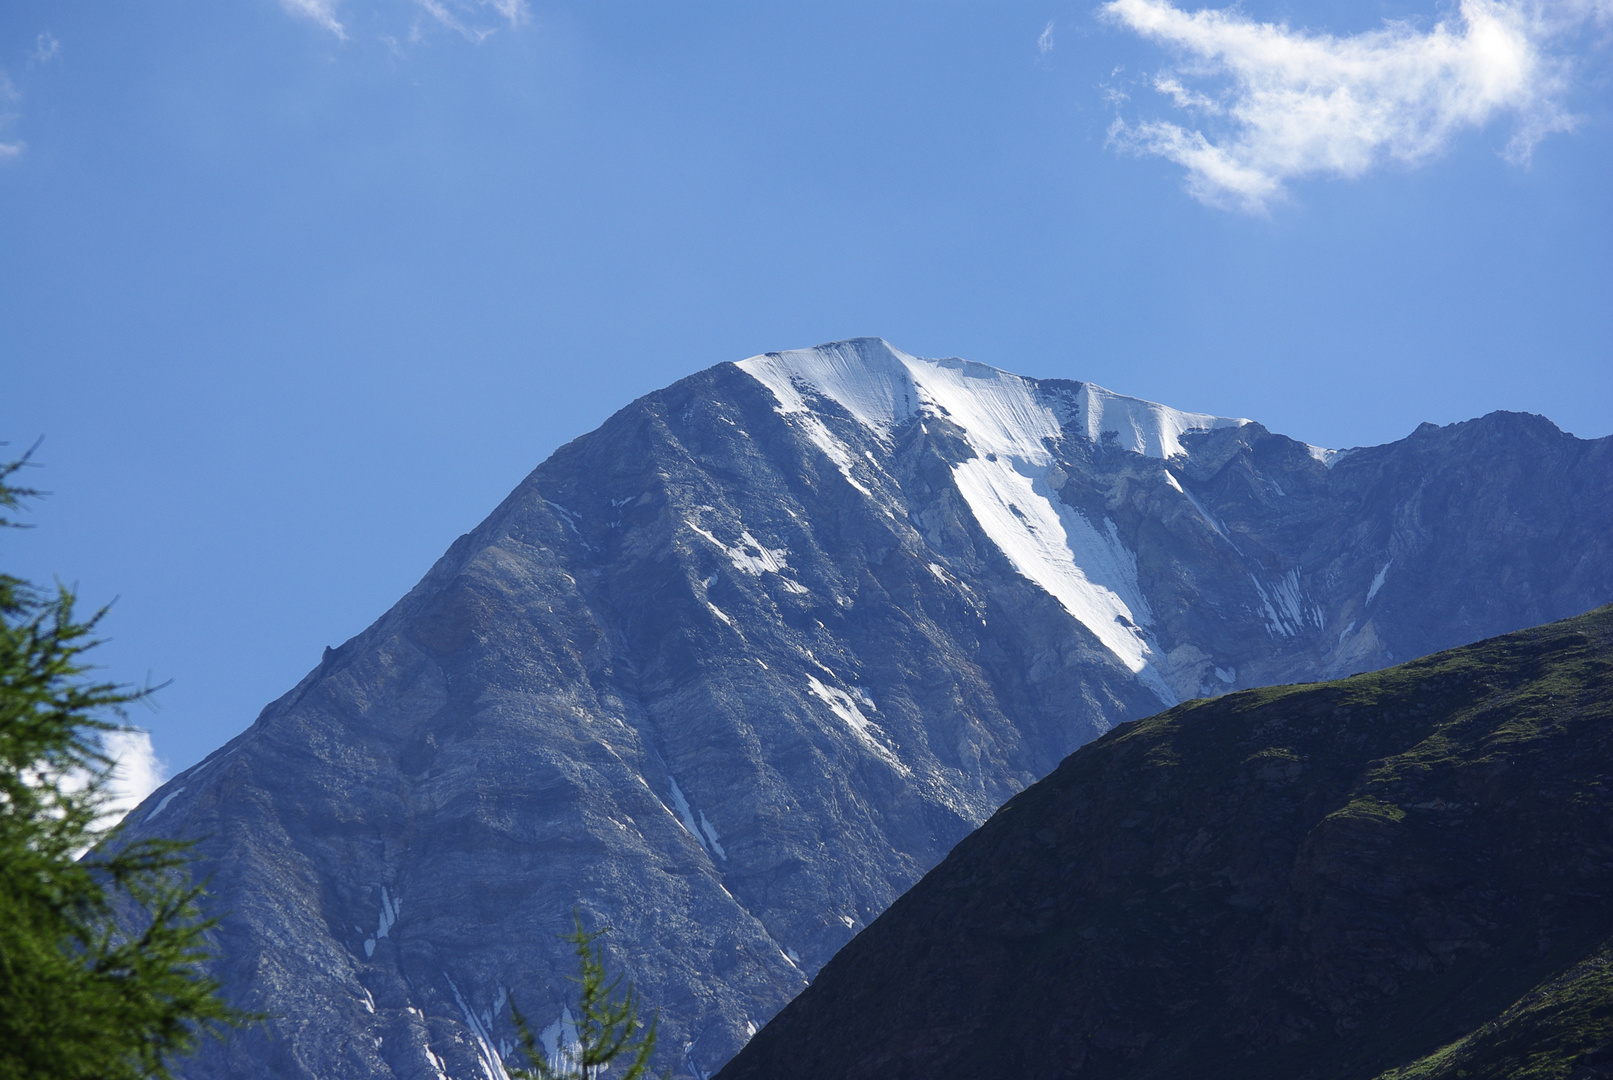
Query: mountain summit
{"points": [[730, 673], [1007, 475]]}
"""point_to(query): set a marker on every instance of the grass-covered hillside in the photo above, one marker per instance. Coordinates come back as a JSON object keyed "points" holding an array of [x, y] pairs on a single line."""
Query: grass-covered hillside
{"points": [[1405, 874]]}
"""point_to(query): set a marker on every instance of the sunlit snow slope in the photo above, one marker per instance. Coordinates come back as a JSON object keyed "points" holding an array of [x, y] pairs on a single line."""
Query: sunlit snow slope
{"points": [[1008, 425]]}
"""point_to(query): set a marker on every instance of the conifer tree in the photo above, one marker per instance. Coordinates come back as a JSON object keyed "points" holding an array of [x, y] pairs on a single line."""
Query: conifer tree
{"points": [[99, 954], [607, 1022]]}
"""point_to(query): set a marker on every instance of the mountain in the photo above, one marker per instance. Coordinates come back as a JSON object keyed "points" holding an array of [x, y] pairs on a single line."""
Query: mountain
{"points": [[1406, 874], [732, 672]]}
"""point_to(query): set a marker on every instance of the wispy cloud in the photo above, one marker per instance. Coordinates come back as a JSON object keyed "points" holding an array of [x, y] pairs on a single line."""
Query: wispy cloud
{"points": [[467, 18], [45, 49], [514, 12], [1044, 44], [10, 103], [439, 11], [322, 12], [1280, 104]]}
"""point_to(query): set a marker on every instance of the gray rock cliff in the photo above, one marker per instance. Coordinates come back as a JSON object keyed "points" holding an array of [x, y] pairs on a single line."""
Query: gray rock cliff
{"points": [[732, 672]]}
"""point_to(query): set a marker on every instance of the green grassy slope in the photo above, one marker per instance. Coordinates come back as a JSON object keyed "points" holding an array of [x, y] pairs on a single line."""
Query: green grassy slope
{"points": [[1562, 1028], [1405, 874]]}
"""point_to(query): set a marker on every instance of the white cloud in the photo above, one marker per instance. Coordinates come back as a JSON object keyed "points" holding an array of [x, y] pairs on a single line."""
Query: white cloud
{"points": [[1286, 104], [45, 47], [463, 17], [136, 772], [515, 12], [9, 102], [437, 11], [1044, 44], [322, 12], [1185, 98]]}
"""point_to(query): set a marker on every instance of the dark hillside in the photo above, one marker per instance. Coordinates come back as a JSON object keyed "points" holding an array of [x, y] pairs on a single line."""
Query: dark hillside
{"points": [[1401, 874]]}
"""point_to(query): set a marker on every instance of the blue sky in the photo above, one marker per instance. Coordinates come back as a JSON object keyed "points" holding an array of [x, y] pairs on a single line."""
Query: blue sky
{"points": [[297, 291]]}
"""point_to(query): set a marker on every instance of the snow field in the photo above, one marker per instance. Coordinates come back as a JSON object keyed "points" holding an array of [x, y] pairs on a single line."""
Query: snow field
{"points": [[1008, 424]]}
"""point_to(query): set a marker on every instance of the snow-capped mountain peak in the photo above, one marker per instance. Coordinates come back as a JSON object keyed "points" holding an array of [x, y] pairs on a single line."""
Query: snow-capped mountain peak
{"points": [[1002, 413], [1008, 421], [733, 671]]}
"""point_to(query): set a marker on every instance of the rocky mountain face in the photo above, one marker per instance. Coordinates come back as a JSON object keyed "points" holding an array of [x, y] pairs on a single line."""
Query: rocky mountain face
{"points": [[1406, 874], [734, 671]]}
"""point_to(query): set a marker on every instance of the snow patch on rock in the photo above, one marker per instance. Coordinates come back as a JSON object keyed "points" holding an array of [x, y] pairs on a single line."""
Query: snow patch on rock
{"points": [[750, 555], [686, 815], [1143, 427], [841, 704], [163, 804], [835, 450], [389, 913], [710, 833], [492, 1065], [1091, 573], [1328, 458], [1377, 581], [1213, 521], [1287, 610], [560, 1043]]}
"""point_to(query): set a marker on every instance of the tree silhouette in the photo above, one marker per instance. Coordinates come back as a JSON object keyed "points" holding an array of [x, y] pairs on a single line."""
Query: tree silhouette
{"points": [[607, 1022]]}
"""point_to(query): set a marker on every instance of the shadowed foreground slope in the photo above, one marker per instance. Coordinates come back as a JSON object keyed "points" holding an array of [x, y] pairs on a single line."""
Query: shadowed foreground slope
{"points": [[1404, 874]]}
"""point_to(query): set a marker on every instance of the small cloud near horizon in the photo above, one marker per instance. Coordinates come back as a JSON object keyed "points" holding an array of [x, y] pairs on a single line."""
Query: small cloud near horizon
{"points": [[1044, 44], [1284, 104]]}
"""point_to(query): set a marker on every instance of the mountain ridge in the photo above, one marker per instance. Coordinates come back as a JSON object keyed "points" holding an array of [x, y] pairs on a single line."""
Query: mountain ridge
{"points": [[698, 682]]}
